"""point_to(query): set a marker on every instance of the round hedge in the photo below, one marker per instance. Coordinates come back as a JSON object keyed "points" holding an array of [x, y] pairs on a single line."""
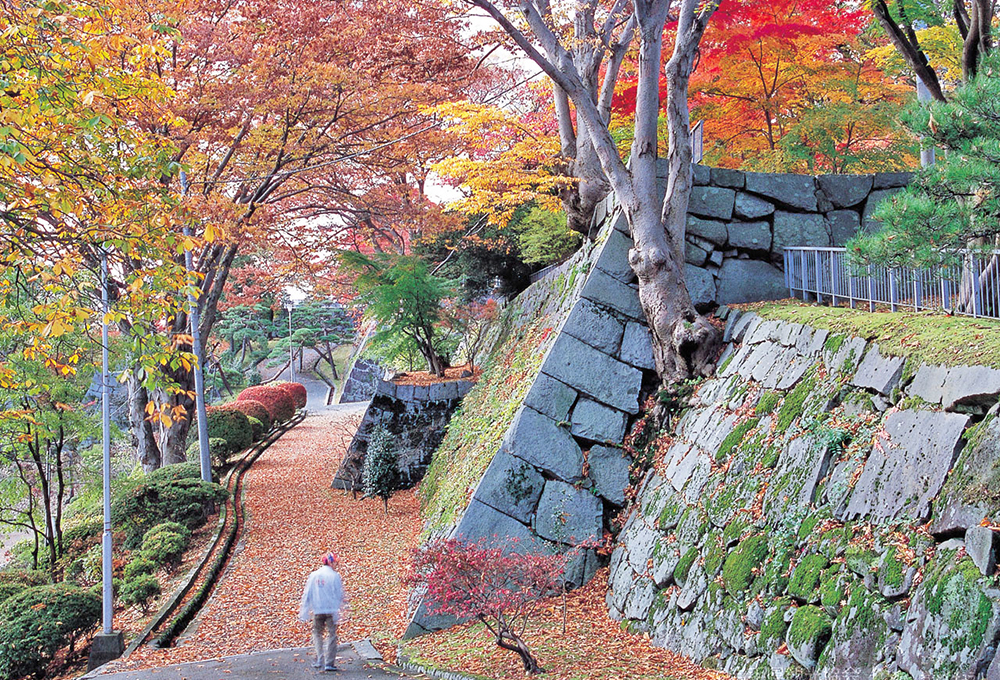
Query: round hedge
{"points": [[252, 408], [231, 425], [39, 621], [278, 402], [297, 392]]}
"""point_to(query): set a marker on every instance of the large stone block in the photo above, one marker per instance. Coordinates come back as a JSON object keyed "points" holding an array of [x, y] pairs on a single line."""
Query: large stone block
{"points": [[725, 177], [750, 281], [482, 522], [637, 346], [551, 397], [796, 191], [750, 207], [605, 289], [799, 229], [614, 256], [596, 326], [892, 180], [594, 373], [694, 255], [906, 470], [569, 515], [712, 202], [511, 486], [843, 226], [701, 286], [755, 236], [846, 191], [710, 230], [597, 422], [962, 503], [609, 470], [539, 440], [970, 386], [877, 372]]}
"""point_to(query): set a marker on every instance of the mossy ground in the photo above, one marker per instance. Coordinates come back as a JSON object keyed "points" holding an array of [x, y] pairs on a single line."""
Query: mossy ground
{"points": [[929, 337]]}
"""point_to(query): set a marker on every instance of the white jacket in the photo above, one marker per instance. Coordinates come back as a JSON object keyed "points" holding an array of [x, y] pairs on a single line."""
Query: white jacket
{"points": [[324, 594]]}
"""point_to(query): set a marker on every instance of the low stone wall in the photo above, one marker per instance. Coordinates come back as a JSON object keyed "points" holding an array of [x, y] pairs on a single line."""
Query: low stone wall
{"points": [[739, 222], [415, 416], [361, 383], [823, 511]]}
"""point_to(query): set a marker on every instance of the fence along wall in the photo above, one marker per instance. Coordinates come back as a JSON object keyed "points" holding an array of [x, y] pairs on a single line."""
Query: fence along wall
{"points": [[971, 288], [739, 224]]}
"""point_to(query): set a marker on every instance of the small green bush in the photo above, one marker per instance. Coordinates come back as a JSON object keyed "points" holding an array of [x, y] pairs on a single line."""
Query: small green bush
{"points": [[258, 428], [40, 621], [139, 590], [164, 495], [91, 563], [231, 425], [252, 409], [138, 567], [218, 449], [25, 577], [380, 474], [163, 546]]}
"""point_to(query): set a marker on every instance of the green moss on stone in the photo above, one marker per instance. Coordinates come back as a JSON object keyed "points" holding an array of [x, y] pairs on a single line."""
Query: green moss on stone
{"points": [[807, 526], [805, 577], [715, 553], [773, 627], [671, 514], [810, 627], [737, 572], [684, 565], [859, 559], [734, 438], [834, 343], [893, 569], [768, 402], [794, 404], [734, 530]]}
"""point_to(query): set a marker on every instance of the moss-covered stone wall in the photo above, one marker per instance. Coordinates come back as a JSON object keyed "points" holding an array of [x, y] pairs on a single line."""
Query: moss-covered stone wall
{"points": [[823, 510]]}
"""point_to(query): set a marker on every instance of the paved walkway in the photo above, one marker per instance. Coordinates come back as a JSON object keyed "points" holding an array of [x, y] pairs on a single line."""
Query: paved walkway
{"points": [[279, 664]]}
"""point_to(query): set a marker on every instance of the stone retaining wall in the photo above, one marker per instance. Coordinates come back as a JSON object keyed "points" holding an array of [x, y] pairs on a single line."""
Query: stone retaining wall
{"points": [[739, 222], [415, 416], [822, 511], [361, 383]]}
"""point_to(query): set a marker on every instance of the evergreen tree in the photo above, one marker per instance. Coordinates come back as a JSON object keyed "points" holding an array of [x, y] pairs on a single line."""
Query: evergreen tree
{"points": [[381, 471], [954, 204]]}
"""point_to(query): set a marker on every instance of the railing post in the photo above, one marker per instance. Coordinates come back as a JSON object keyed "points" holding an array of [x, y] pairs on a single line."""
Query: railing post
{"points": [[819, 277], [944, 291], [850, 291], [871, 300], [917, 276], [893, 299], [977, 301], [788, 277], [805, 271], [833, 278]]}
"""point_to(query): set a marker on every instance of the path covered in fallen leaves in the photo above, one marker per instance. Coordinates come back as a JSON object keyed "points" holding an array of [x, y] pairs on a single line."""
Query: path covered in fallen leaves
{"points": [[294, 518]]}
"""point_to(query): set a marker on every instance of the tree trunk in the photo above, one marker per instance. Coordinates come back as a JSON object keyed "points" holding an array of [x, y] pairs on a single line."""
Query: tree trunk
{"points": [[146, 448], [509, 641]]}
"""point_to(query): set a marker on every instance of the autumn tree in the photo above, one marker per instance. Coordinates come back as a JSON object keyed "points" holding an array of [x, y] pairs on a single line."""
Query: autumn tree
{"points": [[494, 581], [288, 119], [685, 343], [902, 19], [791, 86]]}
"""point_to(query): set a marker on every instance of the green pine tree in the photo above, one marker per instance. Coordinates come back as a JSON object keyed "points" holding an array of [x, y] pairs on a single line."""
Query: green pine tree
{"points": [[954, 204], [380, 475]]}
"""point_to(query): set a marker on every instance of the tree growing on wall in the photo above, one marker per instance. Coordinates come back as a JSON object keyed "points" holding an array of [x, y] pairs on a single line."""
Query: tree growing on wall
{"points": [[685, 343], [495, 581]]}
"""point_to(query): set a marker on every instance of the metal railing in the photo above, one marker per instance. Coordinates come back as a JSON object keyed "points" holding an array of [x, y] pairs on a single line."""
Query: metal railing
{"points": [[971, 288]]}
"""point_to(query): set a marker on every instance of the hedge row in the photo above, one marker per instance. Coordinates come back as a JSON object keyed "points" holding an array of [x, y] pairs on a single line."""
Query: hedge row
{"points": [[280, 400]]}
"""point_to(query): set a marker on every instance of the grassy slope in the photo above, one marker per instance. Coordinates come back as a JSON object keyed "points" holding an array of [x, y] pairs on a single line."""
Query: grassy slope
{"points": [[928, 337]]}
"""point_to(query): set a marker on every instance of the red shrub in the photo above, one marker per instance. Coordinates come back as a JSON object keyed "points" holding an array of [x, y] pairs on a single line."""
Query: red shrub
{"points": [[251, 408], [278, 402], [296, 390]]}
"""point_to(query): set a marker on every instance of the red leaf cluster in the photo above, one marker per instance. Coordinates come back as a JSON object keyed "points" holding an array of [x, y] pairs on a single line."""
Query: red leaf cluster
{"points": [[251, 408], [297, 391], [278, 401]]}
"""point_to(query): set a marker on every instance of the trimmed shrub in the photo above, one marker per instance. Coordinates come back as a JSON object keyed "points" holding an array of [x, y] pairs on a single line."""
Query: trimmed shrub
{"points": [[164, 497], [296, 390], [257, 427], [140, 590], [231, 425], [138, 567], [25, 577], [163, 546], [175, 527], [40, 621], [380, 474], [171, 473], [278, 402], [218, 450], [251, 408]]}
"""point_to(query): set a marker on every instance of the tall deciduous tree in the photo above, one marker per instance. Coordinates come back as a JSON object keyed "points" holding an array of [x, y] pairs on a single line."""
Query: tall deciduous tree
{"points": [[685, 343], [288, 116], [898, 18]]}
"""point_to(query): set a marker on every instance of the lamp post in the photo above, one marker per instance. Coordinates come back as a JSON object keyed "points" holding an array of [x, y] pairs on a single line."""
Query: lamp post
{"points": [[291, 349], [108, 644]]}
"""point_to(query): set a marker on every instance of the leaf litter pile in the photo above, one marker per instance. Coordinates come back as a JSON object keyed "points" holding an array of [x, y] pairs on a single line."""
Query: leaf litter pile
{"points": [[294, 518]]}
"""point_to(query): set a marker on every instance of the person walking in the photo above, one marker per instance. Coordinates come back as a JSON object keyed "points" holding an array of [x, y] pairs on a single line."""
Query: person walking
{"points": [[324, 597]]}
